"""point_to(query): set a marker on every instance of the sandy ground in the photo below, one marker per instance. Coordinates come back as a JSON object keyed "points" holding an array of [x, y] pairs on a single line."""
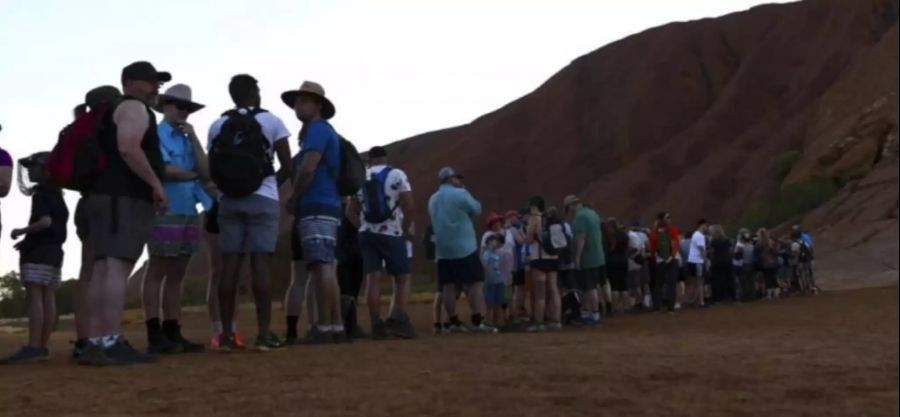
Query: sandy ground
{"points": [[831, 355]]}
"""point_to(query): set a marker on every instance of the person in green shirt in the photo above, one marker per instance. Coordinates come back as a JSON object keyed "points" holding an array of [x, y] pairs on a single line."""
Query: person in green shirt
{"points": [[590, 260]]}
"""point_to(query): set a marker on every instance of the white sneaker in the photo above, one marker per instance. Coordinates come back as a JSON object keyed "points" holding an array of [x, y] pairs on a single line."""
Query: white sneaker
{"points": [[677, 306], [555, 326], [535, 328], [456, 329], [484, 328]]}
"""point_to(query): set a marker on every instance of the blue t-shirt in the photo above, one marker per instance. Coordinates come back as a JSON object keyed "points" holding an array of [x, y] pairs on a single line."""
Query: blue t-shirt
{"points": [[322, 197], [452, 210], [177, 150], [491, 261]]}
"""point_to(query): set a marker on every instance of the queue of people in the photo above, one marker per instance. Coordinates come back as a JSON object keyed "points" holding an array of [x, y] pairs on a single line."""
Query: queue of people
{"points": [[141, 183]]}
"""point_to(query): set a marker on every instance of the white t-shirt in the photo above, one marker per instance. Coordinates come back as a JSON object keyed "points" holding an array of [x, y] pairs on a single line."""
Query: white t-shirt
{"points": [[273, 129], [395, 184], [698, 244]]}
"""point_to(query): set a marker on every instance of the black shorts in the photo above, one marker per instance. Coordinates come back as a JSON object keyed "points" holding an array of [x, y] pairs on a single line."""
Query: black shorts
{"points": [[618, 277], [460, 272], [211, 220], [589, 279], [519, 278], [545, 265]]}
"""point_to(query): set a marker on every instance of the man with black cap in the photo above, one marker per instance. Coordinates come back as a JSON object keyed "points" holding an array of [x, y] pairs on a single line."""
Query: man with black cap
{"points": [[384, 207], [121, 207], [452, 210], [316, 204]]}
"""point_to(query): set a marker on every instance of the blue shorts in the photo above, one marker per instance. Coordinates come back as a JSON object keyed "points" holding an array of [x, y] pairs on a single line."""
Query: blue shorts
{"points": [[384, 252], [495, 294], [318, 239]]}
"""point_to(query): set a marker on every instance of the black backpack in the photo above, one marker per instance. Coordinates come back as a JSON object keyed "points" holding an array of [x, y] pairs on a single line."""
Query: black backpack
{"points": [[240, 157], [554, 239], [352, 175]]}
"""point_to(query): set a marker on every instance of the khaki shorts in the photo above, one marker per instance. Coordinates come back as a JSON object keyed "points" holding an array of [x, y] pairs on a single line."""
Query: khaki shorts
{"points": [[119, 226]]}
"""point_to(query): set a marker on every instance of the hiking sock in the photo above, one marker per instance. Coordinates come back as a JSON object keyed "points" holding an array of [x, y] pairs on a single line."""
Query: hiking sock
{"points": [[323, 328], [477, 319], [292, 326], [217, 327], [109, 341], [153, 328], [96, 341], [337, 328]]}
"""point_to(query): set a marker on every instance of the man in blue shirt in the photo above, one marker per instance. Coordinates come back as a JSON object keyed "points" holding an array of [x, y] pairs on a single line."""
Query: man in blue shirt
{"points": [[316, 203], [176, 234], [452, 210]]}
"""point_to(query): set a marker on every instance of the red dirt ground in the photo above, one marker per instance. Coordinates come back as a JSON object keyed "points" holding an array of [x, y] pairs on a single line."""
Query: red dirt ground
{"points": [[831, 355]]}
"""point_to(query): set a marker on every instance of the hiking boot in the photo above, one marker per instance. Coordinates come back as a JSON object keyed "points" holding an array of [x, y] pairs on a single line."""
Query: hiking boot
{"points": [[25, 355], [123, 354], [379, 330], [317, 337], [93, 355], [78, 348], [484, 328], [458, 329], [265, 343], [159, 344], [172, 331], [401, 328]]}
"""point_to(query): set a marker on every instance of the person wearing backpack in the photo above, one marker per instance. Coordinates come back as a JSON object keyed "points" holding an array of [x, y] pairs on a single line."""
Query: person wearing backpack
{"points": [[745, 263], [94, 100], [697, 262], [590, 260], [766, 255], [315, 202], [665, 247], [617, 264], [452, 210], [176, 233], [122, 204], [547, 237], [241, 147], [721, 270], [385, 208]]}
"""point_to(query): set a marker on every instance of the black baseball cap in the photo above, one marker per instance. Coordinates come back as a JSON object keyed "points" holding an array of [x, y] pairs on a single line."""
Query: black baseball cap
{"points": [[378, 152], [144, 71]]}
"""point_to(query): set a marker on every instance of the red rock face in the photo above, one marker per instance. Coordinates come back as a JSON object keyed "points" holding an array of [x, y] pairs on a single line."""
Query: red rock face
{"points": [[691, 117]]}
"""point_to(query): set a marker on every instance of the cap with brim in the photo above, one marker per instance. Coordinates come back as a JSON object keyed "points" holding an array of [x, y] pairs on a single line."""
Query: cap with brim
{"points": [[145, 71], [309, 88], [449, 172], [178, 93], [570, 200], [493, 219], [101, 94]]}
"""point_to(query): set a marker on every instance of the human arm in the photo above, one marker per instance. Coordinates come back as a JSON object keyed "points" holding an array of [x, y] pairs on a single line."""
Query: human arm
{"points": [[353, 211], [470, 205], [43, 223], [132, 121], [202, 162], [286, 167], [174, 173], [303, 177]]}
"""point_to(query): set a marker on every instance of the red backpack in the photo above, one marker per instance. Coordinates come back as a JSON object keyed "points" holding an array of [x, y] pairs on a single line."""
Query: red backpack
{"points": [[77, 159]]}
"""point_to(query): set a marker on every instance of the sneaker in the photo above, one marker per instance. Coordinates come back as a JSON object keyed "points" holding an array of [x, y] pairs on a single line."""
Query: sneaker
{"points": [[94, 355], [589, 322], [214, 342], [535, 328], [458, 329], [316, 337], [123, 354], [340, 337], [228, 344], [239, 341], [159, 344], [556, 326], [484, 328], [401, 328], [265, 343], [358, 333], [379, 330], [677, 307], [186, 346], [25, 355]]}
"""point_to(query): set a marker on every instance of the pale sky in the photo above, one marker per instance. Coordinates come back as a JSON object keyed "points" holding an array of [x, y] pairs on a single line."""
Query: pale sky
{"points": [[393, 68]]}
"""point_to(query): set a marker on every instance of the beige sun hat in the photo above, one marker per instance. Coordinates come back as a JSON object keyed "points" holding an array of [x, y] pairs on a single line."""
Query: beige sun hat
{"points": [[178, 93], [312, 89]]}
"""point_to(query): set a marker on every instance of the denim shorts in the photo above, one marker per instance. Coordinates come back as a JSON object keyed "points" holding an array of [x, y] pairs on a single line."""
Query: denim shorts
{"points": [[494, 294], [248, 224], [384, 252], [318, 239]]}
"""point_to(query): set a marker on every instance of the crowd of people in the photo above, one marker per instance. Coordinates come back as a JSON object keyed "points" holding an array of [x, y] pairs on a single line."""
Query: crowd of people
{"points": [[141, 183]]}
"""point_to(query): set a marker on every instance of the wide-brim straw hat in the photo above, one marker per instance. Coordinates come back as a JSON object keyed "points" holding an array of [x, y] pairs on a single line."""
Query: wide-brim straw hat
{"points": [[178, 93], [312, 89]]}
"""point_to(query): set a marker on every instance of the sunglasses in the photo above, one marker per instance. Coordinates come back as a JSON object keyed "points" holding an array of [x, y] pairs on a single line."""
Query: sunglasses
{"points": [[180, 106]]}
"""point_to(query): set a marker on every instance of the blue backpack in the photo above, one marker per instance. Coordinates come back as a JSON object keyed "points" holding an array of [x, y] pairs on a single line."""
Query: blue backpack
{"points": [[375, 204]]}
